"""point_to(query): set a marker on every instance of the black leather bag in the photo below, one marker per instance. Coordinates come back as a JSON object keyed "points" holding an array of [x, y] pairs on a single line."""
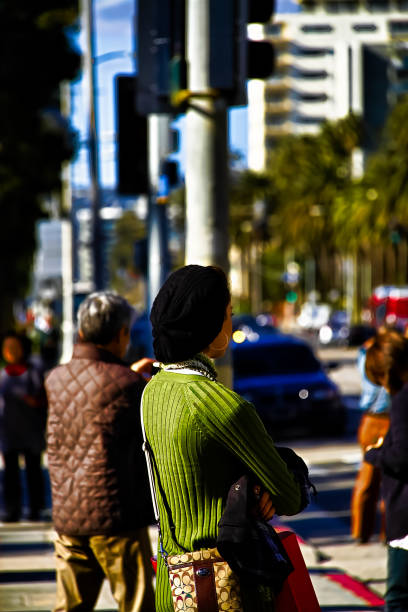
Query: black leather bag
{"points": [[251, 547]]}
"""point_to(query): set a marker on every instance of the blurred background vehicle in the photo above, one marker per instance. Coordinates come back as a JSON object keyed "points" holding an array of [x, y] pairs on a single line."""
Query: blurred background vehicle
{"points": [[389, 306], [288, 385], [339, 332], [313, 316], [337, 329], [359, 333], [252, 327]]}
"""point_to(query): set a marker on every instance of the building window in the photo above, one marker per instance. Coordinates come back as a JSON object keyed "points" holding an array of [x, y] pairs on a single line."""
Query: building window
{"points": [[378, 6], [309, 97], [317, 28], [276, 119], [308, 74], [398, 27], [310, 51], [341, 7], [305, 120], [365, 27]]}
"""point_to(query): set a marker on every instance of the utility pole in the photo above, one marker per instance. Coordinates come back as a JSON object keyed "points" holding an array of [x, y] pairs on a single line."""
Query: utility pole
{"points": [[66, 246], [158, 254], [207, 240], [90, 74]]}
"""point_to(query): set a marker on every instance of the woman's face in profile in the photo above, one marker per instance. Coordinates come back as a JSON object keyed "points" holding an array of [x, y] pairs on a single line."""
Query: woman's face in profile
{"points": [[220, 344], [227, 327]]}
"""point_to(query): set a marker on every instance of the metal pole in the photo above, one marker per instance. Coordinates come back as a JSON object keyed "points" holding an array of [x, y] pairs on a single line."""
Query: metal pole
{"points": [[91, 76], [207, 240], [158, 256], [66, 245], [206, 159]]}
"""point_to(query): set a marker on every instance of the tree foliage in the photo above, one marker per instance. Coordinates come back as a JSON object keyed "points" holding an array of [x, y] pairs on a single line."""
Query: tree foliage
{"points": [[37, 55], [320, 206], [128, 230]]}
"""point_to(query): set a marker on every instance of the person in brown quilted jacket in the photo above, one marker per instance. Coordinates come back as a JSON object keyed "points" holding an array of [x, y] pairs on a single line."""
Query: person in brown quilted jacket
{"points": [[100, 491]]}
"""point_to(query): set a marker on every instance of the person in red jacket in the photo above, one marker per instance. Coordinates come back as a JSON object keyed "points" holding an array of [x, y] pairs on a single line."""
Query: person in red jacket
{"points": [[100, 492], [23, 415]]}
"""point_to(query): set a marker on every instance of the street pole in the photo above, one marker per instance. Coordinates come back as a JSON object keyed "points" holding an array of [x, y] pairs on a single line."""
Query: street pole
{"points": [[206, 142], [91, 77], [158, 258], [66, 246], [207, 240]]}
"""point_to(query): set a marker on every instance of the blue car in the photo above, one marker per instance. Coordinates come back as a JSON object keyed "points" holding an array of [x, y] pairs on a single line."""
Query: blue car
{"points": [[291, 391]]}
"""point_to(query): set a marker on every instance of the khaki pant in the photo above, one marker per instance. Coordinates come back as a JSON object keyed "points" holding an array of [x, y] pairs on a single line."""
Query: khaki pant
{"points": [[366, 490], [83, 562]]}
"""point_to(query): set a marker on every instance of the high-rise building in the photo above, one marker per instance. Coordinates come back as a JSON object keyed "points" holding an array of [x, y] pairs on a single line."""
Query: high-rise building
{"points": [[333, 57]]}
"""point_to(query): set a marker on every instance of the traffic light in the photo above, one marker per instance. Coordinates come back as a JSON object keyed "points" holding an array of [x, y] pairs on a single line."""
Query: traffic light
{"points": [[233, 59], [160, 54], [131, 142], [255, 59]]}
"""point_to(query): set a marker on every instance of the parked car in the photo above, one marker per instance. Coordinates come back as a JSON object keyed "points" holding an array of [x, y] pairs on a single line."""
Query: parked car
{"points": [[288, 385]]}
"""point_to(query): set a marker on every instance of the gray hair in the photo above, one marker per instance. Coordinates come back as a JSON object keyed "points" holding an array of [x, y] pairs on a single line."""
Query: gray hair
{"points": [[102, 315]]}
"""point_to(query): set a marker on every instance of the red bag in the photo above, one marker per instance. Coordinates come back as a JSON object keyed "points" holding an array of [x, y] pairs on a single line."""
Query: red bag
{"points": [[297, 594]]}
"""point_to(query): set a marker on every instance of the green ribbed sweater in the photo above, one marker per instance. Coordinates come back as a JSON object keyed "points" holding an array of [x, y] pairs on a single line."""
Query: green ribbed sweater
{"points": [[204, 437]]}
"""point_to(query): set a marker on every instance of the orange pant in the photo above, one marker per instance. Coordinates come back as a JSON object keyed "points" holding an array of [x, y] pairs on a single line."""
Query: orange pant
{"points": [[366, 490]]}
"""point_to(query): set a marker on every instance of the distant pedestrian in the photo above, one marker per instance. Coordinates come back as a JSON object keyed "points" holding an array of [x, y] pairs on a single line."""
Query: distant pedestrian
{"points": [[375, 402], [100, 492], [23, 414], [387, 365]]}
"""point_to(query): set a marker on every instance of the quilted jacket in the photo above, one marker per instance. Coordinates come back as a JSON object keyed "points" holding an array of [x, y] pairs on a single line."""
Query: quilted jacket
{"points": [[94, 444]]}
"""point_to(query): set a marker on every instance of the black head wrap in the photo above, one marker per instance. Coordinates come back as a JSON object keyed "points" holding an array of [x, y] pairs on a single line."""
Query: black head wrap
{"points": [[188, 312]]}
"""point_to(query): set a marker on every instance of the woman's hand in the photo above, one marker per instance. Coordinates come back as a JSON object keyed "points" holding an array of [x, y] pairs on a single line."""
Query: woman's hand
{"points": [[143, 367], [265, 508], [376, 445]]}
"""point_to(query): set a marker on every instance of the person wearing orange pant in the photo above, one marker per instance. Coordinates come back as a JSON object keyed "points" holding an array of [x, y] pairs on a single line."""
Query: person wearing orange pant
{"points": [[390, 369], [374, 424]]}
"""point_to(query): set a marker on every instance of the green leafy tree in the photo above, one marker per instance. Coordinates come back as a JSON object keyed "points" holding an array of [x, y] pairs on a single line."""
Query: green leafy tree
{"points": [[37, 55], [304, 177], [387, 169], [308, 172]]}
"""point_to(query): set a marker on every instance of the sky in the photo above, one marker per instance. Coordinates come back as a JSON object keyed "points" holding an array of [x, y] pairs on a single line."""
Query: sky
{"points": [[114, 53]]}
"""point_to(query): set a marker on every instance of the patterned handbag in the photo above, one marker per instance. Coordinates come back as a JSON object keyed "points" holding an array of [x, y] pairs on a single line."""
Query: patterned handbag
{"points": [[200, 580], [203, 581]]}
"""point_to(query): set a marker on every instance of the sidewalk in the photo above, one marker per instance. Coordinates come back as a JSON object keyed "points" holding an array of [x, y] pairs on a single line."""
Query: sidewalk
{"points": [[340, 580], [27, 572], [341, 570]]}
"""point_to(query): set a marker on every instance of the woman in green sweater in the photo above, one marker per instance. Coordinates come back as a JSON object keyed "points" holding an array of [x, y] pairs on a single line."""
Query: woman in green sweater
{"points": [[203, 435]]}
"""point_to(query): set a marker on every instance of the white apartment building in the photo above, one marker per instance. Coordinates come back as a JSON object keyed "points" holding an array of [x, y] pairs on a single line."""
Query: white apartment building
{"points": [[333, 57]]}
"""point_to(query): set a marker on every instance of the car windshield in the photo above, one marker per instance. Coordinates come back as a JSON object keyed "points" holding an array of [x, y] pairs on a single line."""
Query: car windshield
{"points": [[275, 359]]}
